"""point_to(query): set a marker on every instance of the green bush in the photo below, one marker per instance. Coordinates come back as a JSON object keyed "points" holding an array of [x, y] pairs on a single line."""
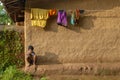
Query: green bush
{"points": [[43, 78], [12, 73], [11, 49], [11, 53]]}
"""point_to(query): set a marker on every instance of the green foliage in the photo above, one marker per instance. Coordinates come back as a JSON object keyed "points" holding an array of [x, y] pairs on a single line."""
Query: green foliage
{"points": [[4, 18], [43, 78], [10, 49], [11, 73]]}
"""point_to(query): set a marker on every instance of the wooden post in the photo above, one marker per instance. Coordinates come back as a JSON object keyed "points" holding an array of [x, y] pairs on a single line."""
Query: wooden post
{"points": [[26, 28], [25, 25]]}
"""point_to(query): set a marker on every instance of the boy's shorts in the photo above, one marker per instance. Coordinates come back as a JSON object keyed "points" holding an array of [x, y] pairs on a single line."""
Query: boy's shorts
{"points": [[30, 61]]}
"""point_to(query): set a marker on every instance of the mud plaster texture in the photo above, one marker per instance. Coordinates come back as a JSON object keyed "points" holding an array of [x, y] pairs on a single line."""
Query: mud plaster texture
{"points": [[96, 39]]}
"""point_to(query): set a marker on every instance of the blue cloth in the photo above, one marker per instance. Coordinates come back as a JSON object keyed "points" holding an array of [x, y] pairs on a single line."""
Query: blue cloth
{"points": [[72, 18]]}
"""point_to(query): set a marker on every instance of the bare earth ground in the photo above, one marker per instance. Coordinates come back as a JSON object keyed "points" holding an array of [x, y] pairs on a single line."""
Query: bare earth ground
{"points": [[82, 77], [83, 71], [77, 77]]}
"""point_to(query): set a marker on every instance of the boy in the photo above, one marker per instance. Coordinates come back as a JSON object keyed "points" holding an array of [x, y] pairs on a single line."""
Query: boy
{"points": [[31, 57]]}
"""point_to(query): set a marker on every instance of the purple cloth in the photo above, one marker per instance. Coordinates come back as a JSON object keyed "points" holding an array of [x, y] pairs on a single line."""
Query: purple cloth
{"points": [[62, 18]]}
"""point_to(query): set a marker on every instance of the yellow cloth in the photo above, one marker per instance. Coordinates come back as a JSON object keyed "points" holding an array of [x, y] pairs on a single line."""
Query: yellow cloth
{"points": [[41, 23], [39, 13], [39, 17]]}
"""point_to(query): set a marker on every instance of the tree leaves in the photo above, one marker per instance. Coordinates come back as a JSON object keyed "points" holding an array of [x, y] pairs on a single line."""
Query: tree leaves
{"points": [[10, 48], [4, 18]]}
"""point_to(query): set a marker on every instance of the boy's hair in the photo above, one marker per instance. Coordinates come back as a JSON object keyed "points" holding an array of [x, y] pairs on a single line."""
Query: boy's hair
{"points": [[30, 47]]}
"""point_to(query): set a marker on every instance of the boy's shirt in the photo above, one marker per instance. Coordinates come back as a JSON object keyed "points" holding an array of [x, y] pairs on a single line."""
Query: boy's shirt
{"points": [[31, 55]]}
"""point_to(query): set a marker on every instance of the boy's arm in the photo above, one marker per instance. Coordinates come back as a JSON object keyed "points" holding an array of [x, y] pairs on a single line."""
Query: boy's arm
{"points": [[34, 59]]}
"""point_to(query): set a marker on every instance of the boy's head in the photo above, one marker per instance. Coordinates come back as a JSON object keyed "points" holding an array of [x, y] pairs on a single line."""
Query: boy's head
{"points": [[30, 48]]}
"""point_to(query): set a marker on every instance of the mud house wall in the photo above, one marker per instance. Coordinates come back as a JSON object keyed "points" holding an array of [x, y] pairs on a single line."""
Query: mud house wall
{"points": [[96, 39]]}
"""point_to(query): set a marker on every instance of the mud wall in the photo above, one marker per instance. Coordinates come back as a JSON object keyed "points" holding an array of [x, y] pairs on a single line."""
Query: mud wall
{"points": [[96, 39]]}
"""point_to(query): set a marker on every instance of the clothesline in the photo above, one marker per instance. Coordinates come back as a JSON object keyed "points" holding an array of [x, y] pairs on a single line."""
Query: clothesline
{"points": [[83, 11], [86, 13], [80, 9]]}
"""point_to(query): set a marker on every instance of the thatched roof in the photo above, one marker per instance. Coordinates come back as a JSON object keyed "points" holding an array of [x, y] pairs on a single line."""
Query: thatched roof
{"points": [[15, 9]]}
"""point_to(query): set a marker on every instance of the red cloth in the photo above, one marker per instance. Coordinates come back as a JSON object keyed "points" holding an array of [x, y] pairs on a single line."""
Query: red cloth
{"points": [[52, 12]]}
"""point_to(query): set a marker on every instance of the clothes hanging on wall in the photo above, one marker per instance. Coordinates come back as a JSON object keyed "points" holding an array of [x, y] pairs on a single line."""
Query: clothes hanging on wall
{"points": [[77, 17], [39, 17], [62, 18], [52, 12], [39, 14], [41, 23], [72, 20]]}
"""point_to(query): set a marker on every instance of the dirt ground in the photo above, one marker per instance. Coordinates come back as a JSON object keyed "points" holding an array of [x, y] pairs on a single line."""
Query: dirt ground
{"points": [[75, 77], [82, 77]]}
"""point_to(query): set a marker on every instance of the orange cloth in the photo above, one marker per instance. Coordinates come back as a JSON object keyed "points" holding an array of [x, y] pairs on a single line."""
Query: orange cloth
{"points": [[52, 12], [77, 16], [77, 13]]}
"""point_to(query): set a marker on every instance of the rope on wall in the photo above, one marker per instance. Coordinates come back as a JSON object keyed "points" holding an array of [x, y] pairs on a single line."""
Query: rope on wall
{"points": [[92, 13]]}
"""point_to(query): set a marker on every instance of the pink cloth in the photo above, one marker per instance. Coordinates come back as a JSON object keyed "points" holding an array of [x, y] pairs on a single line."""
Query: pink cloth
{"points": [[62, 18]]}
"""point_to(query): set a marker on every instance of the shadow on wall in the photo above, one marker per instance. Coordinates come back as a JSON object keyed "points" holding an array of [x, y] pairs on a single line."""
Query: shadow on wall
{"points": [[87, 22], [84, 23], [47, 58], [52, 24]]}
